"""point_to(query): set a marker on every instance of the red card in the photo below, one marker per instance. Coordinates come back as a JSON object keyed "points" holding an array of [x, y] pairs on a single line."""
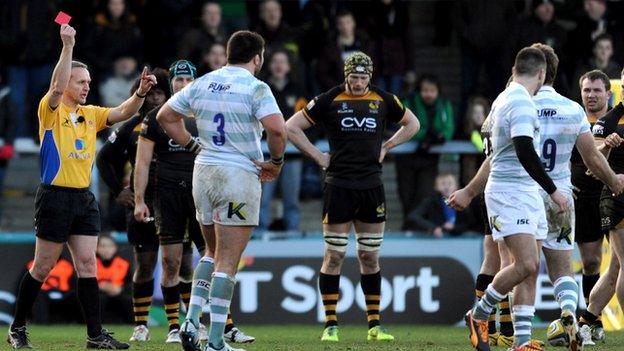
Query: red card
{"points": [[62, 18]]}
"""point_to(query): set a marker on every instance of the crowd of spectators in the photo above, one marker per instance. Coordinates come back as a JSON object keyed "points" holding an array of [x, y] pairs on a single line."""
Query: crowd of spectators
{"points": [[306, 44]]}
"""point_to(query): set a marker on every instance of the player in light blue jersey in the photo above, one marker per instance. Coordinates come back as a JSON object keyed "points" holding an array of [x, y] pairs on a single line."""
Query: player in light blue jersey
{"points": [[564, 125], [232, 107], [514, 205]]}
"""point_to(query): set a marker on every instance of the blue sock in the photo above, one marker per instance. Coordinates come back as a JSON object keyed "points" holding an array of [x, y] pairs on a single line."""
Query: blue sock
{"points": [[221, 290], [201, 288], [566, 293], [488, 301], [523, 323]]}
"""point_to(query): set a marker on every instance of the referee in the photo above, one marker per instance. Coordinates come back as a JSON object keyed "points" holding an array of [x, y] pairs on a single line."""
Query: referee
{"points": [[65, 210]]}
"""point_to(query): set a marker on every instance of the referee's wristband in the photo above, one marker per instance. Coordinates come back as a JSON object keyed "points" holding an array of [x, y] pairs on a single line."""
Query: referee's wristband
{"points": [[193, 146], [139, 95], [278, 161]]}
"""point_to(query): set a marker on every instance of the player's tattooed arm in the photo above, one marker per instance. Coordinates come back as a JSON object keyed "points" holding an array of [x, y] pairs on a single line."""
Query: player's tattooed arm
{"points": [[597, 163], [295, 127], [461, 198], [409, 127]]}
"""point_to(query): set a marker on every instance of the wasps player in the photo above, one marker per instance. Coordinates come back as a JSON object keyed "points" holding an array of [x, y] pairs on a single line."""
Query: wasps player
{"points": [[354, 115]]}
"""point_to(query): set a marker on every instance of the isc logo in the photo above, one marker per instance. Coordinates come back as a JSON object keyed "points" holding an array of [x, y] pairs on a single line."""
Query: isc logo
{"points": [[350, 122], [522, 221]]}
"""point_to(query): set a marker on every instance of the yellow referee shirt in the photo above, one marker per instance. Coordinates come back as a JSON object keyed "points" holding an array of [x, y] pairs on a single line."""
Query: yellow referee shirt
{"points": [[68, 140]]}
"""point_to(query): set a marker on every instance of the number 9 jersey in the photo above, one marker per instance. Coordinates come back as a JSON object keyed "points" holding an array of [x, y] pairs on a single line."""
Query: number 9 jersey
{"points": [[561, 122]]}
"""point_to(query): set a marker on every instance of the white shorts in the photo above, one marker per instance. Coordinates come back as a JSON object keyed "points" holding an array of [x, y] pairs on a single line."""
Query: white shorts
{"points": [[226, 195], [512, 213], [560, 226]]}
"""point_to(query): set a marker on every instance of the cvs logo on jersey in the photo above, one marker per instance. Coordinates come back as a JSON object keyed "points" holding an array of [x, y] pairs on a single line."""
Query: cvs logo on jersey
{"points": [[355, 122]]}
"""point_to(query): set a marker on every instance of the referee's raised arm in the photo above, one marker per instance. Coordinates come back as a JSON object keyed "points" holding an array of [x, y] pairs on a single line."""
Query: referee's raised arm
{"points": [[62, 71]]}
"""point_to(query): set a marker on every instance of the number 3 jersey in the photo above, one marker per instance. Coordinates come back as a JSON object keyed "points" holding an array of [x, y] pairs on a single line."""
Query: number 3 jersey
{"points": [[561, 122], [228, 105], [513, 115]]}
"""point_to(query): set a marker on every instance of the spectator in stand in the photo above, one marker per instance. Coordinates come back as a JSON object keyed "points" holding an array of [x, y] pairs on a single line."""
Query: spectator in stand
{"points": [[477, 112], [435, 217], [213, 58], [543, 27], [164, 23], [56, 301], [199, 40], [276, 33], [417, 171], [289, 97], [597, 20], [484, 28], [113, 275], [114, 89], [7, 133], [28, 46], [602, 59], [115, 34], [340, 44], [388, 27]]}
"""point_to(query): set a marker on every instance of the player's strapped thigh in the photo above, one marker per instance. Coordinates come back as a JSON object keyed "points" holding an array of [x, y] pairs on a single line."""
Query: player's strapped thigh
{"points": [[368, 241], [560, 226], [226, 195], [513, 213], [336, 241], [611, 211]]}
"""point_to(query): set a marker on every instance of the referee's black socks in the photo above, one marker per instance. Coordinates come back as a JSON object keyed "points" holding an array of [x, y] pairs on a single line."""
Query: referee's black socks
{"points": [[26, 296], [89, 298]]}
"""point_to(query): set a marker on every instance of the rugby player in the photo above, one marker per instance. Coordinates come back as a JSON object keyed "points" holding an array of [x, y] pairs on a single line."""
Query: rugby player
{"points": [[612, 219], [119, 149], [563, 125], [231, 107], [514, 205], [65, 210], [595, 94], [354, 115], [495, 258]]}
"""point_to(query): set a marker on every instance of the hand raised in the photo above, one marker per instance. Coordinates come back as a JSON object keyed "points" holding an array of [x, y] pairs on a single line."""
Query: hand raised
{"points": [[68, 35]]}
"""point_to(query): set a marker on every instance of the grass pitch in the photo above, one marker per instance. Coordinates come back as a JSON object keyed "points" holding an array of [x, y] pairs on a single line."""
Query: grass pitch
{"points": [[295, 338]]}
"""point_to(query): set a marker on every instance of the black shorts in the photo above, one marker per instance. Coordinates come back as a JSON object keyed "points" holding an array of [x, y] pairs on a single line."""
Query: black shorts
{"points": [[61, 212], [611, 211], [342, 205], [587, 210], [175, 215], [141, 235], [484, 216]]}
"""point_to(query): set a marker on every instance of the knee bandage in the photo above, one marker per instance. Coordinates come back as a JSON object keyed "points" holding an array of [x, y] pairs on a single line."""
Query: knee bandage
{"points": [[369, 241], [336, 241]]}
